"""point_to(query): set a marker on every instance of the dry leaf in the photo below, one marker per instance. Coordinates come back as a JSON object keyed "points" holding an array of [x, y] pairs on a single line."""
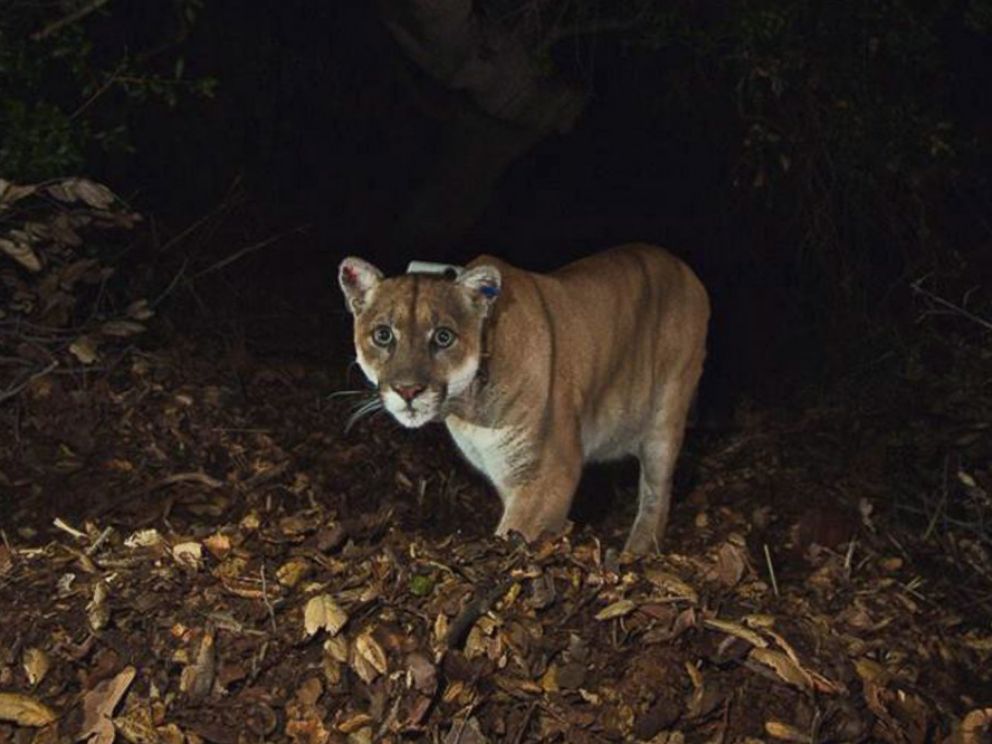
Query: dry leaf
{"points": [[785, 732], [98, 707], [36, 664], [975, 728], [90, 193], [24, 710], [617, 609], [136, 726], [139, 310], [367, 658], [731, 562], [292, 571], [739, 631], [197, 679], [465, 732], [189, 554], [84, 349], [421, 674], [172, 734], [323, 612], [337, 648], [783, 666], [63, 229], [440, 627], [6, 559], [671, 584], [354, 723], [22, 253], [549, 680], [219, 545], [12, 192], [143, 539], [871, 671], [75, 271], [98, 610], [121, 328]]}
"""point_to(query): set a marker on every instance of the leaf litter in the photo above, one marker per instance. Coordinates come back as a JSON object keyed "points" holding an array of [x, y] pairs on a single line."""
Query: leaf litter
{"points": [[231, 566]]}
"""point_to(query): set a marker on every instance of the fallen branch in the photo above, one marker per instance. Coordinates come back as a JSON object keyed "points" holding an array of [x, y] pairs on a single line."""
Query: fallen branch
{"points": [[475, 609]]}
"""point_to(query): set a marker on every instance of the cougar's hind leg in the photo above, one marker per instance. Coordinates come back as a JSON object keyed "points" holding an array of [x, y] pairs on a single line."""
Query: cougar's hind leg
{"points": [[658, 454]]}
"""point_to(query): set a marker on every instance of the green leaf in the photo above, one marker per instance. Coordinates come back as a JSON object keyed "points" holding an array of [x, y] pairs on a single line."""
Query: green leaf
{"points": [[421, 585]]}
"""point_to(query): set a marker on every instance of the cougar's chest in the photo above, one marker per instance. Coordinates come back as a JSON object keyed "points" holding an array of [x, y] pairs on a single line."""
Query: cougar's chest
{"points": [[500, 453]]}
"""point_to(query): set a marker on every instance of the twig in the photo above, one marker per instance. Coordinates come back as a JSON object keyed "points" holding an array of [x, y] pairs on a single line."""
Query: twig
{"points": [[585, 602], [16, 389], [771, 569], [265, 600], [468, 714], [849, 556], [526, 722], [237, 255], [193, 477], [188, 230], [100, 540], [6, 542], [172, 285], [389, 719], [979, 531], [595, 28], [97, 93], [69, 529], [266, 475], [948, 305], [76, 15], [472, 612], [942, 504]]}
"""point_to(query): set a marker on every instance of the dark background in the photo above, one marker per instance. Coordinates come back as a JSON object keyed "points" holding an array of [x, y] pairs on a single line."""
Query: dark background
{"points": [[810, 161]]}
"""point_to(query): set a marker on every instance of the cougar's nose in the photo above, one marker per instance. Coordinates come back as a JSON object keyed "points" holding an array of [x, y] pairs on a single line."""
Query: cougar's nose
{"points": [[409, 392]]}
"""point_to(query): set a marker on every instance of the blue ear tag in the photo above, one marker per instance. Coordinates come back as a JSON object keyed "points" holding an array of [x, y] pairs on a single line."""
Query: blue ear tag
{"points": [[489, 291]]}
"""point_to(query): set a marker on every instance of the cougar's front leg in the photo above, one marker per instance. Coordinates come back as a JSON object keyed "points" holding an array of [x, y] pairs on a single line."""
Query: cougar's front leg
{"points": [[541, 500]]}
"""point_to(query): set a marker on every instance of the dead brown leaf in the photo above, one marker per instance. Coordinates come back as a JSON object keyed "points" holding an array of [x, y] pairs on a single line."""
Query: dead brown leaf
{"points": [[322, 611], [24, 710], [98, 707]]}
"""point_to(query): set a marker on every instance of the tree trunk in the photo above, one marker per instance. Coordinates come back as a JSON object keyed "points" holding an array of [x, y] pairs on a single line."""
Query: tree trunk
{"points": [[500, 98]]}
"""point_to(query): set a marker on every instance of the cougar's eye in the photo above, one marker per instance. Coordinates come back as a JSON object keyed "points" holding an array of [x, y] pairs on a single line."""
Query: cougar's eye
{"points": [[443, 337], [382, 335]]}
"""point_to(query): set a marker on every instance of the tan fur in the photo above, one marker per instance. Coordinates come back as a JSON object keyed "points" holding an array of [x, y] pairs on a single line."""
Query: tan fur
{"points": [[596, 361]]}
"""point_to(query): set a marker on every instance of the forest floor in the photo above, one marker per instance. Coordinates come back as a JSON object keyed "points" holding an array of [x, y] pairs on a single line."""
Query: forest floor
{"points": [[230, 566]]}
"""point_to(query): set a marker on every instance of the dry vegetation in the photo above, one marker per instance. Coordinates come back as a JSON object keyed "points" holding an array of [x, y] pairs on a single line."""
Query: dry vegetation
{"points": [[229, 566]]}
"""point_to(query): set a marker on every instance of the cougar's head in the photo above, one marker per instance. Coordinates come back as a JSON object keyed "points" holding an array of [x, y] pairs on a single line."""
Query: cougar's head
{"points": [[418, 337]]}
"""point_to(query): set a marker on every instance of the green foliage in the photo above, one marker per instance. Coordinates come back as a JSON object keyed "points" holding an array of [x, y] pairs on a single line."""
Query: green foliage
{"points": [[63, 80]]}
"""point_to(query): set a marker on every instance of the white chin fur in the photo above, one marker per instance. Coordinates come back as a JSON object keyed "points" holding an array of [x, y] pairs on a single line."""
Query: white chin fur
{"points": [[424, 408]]}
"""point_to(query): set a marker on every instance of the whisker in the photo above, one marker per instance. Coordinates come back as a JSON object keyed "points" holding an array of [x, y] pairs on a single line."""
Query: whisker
{"points": [[342, 393], [370, 406]]}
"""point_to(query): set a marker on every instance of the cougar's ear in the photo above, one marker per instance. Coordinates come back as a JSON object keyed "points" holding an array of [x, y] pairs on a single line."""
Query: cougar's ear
{"points": [[357, 278], [483, 284]]}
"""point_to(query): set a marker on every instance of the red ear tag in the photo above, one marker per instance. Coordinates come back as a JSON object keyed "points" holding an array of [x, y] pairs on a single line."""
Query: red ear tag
{"points": [[489, 291], [350, 275]]}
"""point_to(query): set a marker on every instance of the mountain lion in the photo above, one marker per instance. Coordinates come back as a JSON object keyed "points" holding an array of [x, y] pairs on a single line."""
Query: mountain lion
{"points": [[535, 374]]}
